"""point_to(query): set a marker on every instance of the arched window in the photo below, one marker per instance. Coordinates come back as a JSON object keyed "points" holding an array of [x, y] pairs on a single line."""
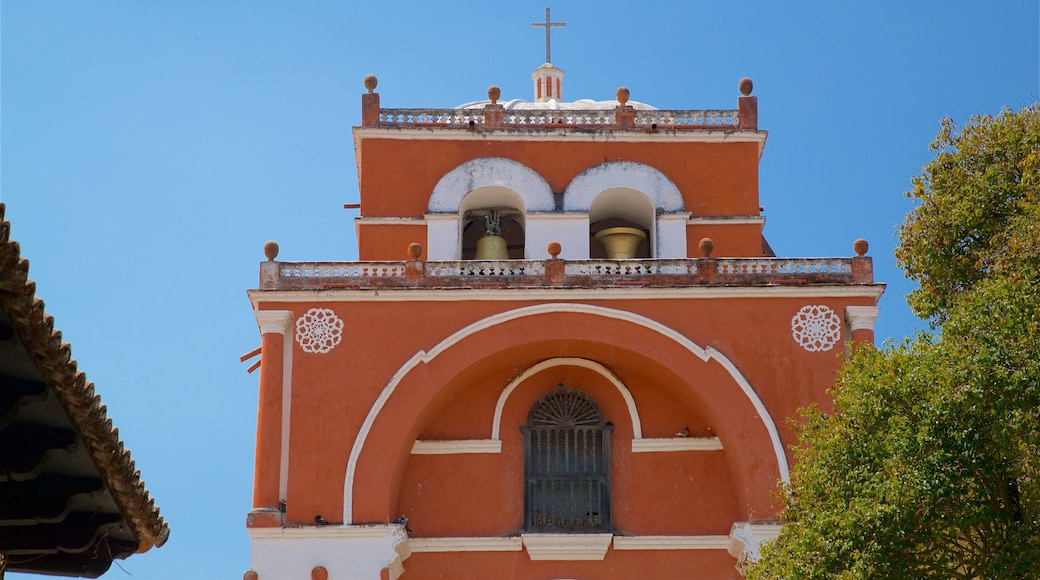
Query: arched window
{"points": [[566, 464]]}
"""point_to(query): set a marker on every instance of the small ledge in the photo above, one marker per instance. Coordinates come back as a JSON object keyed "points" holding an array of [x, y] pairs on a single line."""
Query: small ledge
{"points": [[671, 542], [419, 545], [452, 447], [676, 444], [567, 546]]}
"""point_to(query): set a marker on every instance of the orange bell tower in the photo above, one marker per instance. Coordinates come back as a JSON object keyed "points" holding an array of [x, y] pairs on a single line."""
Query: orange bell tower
{"points": [[565, 350]]}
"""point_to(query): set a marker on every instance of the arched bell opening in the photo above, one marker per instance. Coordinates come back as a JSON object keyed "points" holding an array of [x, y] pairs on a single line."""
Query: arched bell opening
{"points": [[621, 225], [492, 225]]}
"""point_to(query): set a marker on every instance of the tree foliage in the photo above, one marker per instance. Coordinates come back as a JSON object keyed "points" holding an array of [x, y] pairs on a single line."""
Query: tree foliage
{"points": [[930, 465]]}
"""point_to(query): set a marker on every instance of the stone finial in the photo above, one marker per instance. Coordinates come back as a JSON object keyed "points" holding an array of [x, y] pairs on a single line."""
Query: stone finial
{"points": [[250, 575], [494, 93], [746, 86], [371, 82], [707, 246], [319, 573], [860, 246], [554, 249], [414, 250], [271, 250], [622, 95]]}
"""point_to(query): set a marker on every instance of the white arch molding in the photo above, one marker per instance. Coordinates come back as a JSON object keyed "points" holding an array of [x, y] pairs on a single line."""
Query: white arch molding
{"points": [[622, 174], [630, 403], [424, 357], [496, 172]]}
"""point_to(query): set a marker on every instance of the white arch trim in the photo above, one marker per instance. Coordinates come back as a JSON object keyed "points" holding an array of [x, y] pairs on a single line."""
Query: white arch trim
{"points": [[633, 413], [491, 172], [588, 184], [424, 357]]}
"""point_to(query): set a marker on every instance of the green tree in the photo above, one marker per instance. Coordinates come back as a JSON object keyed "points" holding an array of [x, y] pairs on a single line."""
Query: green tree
{"points": [[930, 464]]}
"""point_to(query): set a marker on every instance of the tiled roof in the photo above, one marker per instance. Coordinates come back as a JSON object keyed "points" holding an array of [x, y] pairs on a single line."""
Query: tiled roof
{"points": [[55, 368]]}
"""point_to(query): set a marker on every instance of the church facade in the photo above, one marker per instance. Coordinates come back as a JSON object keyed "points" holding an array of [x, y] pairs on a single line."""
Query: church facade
{"points": [[565, 350]]}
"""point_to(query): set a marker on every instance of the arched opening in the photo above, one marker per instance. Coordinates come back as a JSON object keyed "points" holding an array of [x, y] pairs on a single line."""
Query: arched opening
{"points": [[492, 211], [566, 464], [621, 207]]}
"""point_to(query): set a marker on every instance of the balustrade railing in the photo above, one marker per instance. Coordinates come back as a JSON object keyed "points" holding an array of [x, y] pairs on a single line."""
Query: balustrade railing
{"points": [[543, 118], [566, 273]]}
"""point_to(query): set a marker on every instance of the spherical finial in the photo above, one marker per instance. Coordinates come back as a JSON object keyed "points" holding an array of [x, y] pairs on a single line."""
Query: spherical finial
{"points": [[554, 249], [271, 250], [746, 86], [494, 93], [622, 95], [371, 82], [319, 573], [414, 250], [860, 246], [250, 575], [706, 247]]}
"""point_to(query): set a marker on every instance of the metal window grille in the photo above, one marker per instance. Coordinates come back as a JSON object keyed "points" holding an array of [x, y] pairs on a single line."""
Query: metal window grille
{"points": [[566, 464]]}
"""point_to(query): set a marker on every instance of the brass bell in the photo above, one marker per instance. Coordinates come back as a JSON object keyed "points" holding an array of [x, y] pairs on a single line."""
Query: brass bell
{"points": [[621, 243], [492, 248]]}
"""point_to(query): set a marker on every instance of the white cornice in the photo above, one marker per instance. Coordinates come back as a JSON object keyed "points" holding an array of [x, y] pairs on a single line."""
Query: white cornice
{"points": [[419, 545], [314, 532], [861, 317], [668, 444], [276, 321], [727, 220], [872, 291], [671, 542], [556, 135], [452, 447], [567, 546]]}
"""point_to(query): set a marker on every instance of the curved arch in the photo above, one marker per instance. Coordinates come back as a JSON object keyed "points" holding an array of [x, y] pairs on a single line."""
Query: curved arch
{"points": [[630, 403], [424, 357], [496, 172], [622, 174]]}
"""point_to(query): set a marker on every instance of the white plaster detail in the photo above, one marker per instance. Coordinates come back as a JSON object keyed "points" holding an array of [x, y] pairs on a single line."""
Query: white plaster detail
{"points": [[422, 357], [861, 317], [671, 235], [568, 134], [571, 229], [454, 447], [873, 291], [630, 403], [663, 194], [670, 444], [276, 321], [319, 330], [494, 544], [816, 328], [442, 236], [495, 172], [745, 541], [283, 456], [567, 546], [345, 551], [727, 220], [671, 542]]}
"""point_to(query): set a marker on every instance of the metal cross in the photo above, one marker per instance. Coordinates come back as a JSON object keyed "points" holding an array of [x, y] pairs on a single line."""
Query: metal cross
{"points": [[548, 24]]}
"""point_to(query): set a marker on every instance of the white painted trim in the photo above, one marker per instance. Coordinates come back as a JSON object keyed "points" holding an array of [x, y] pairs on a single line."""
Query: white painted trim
{"points": [[345, 551], [646, 179], [567, 546], [598, 294], [670, 444], [453, 447], [554, 135], [861, 317], [389, 221], [287, 384], [630, 403], [424, 357], [498, 172], [720, 542], [493, 544], [314, 532], [746, 538], [727, 220], [277, 321]]}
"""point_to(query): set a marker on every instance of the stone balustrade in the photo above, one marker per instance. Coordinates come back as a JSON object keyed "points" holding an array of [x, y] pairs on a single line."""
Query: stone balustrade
{"points": [[548, 118], [557, 273]]}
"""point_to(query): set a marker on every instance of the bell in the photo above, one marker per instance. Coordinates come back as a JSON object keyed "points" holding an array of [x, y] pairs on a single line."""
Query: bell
{"points": [[492, 248], [621, 243]]}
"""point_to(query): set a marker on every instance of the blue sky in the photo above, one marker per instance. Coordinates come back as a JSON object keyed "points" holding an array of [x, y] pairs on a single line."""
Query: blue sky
{"points": [[148, 150]]}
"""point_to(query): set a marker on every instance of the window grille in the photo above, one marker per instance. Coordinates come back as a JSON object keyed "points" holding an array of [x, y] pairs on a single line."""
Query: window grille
{"points": [[566, 464]]}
